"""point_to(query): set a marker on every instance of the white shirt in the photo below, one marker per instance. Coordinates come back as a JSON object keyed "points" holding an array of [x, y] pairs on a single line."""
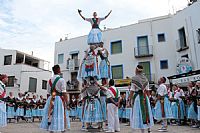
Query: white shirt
{"points": [[91, 21], [162, 90], [110, 94], [60, 85]]}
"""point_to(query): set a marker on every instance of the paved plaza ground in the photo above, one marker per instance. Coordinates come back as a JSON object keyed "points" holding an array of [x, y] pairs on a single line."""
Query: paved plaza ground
{"points": [[76, 128]]}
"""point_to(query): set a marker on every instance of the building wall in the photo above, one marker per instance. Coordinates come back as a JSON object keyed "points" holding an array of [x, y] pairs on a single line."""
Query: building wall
{"points": [[189, 19], [22, 72], [167, 50]]}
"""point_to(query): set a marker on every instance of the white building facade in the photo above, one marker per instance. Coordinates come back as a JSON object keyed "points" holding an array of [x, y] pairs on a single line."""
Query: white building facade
{"points": [[157, 44], [25, 72]]}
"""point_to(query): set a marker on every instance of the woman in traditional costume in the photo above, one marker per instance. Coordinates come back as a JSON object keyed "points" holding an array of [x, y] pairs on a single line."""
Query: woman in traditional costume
{"points": [[20, 102], [104, 66], [95, 35], [3, 116], [10, 106], [141, 116], [28, 112]]}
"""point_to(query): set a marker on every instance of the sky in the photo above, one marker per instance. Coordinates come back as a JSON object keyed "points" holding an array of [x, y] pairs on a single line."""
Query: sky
{"points": [[35, 25]]}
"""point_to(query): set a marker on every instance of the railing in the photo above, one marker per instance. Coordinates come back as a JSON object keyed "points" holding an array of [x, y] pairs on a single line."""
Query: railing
{"points": [[143, 51], [74, 85], [182, 44], [73, 64]]}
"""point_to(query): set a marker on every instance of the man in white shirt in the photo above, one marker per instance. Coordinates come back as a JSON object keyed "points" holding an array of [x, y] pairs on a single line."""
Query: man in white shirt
{"points": [[113, 95], [54, 118], [163, 107]]}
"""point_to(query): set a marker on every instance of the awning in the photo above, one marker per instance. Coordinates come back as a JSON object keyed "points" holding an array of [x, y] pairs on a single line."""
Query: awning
{"points": [[185, 78], [74, 52]]}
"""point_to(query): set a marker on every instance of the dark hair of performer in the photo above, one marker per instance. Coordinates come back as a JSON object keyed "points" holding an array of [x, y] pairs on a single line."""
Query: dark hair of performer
{"points": [[111, 82], [56, 69], [139, 69]]}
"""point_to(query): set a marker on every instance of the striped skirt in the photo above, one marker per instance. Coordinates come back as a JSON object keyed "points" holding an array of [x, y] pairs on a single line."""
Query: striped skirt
{"points": [[10, 112], [57, 121], [94, 37], [136, 120], [198, 113], [19, 112], [28, 113], [93, 111], [103, 106], [104, 69], [167, 110], [3, 115], [191, 112]]}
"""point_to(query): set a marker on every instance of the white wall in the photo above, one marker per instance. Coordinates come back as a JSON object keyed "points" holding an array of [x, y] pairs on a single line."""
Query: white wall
{"points": [[168, 25], [22, 72]]}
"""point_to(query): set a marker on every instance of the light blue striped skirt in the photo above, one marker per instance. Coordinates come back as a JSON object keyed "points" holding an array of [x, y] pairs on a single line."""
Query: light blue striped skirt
{"points": [[79, 112], [3, 115], [40, 112], [136, 120], [167, 109], [10, 112], [104, 69], [198, 113], [34, 112], [68, 119], [28, 113], [191, 113], [73, 112], [19, 112], [103, 106], [93, 73], [57, 121], [95, 36], [92, 111]]}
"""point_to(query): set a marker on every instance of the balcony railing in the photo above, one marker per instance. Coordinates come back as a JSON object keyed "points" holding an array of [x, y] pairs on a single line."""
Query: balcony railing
{"points": [[73, 64], [182, 44], [143, 51], [73, 85]]}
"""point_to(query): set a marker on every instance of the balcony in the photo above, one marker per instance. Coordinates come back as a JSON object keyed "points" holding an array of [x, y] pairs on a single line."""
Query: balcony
{"points": [[151, 77], [73, 64], [73, 85], [182, 44], [143, 51]]}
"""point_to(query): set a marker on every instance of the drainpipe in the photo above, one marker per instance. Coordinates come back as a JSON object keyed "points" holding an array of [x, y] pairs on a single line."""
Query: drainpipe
{"points": [[194, 42]]}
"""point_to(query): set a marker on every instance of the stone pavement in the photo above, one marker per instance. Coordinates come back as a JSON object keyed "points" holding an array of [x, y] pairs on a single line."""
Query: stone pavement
{"points": [[76, 126]]}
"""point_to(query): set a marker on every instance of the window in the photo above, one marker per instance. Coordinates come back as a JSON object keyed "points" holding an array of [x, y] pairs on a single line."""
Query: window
{"points": [[198, 35], [147, 69], [116, 47], [44, 84], [182, 38], [11, 80], [7, 59], [164, 64], [74, 56], [32, 84], [117, 72], [161, 37], [60, 58], [143, 47]]}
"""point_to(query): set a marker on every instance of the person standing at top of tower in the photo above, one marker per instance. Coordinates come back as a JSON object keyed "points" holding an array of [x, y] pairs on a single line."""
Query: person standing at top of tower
{"points": [[95, 35]]}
